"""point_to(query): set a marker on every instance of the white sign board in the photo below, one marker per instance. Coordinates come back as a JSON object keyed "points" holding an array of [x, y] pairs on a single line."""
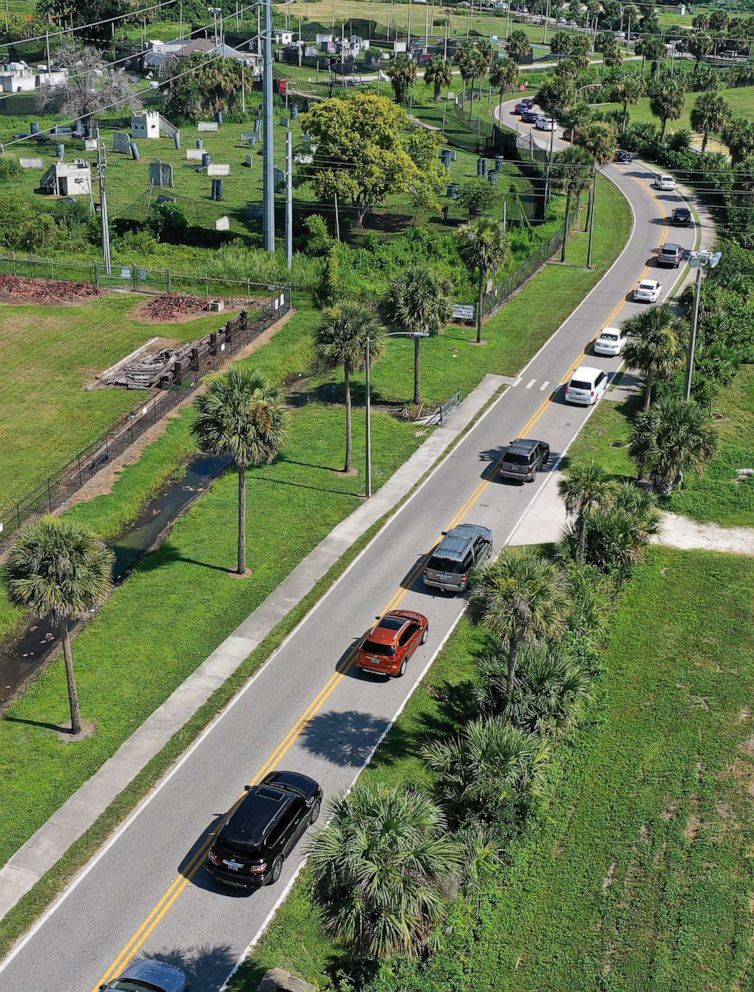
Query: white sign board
{"points": [[463, 311]]}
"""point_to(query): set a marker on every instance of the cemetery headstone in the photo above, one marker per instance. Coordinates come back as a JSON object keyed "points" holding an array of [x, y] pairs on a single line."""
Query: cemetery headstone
{"points": [[453, 191], [445, 158], [161, 174], [31, 163], [222, 224], [122, 143], [248, 161], [134, 151], [162, 198], [206, 159], [279, 178], [218, 170], [177, 140], [207, 126], [200, 142], [481, 167], [34, 127], [194, 154], [219, 116], [60, 151], [90, 144]]}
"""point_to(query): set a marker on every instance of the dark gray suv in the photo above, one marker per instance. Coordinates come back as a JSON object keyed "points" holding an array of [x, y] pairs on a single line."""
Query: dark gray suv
{"points": [[523, 459], [670, 255], [454, 557]]}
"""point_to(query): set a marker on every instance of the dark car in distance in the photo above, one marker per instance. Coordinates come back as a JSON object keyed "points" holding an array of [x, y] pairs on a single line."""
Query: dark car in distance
{"points": [[530, 117], [259, 832], [388, 646], [523, 458], [681, 217], [623, 156], [670, 255]]}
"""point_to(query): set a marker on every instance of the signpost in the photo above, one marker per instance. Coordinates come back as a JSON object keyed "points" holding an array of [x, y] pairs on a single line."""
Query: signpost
{"points": [[463, 311]]}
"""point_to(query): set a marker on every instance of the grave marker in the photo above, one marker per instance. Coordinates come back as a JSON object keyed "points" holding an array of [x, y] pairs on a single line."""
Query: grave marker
{"points": [[31, 163], [207, 126], [122, 143], [222, 224], [218, 170]]}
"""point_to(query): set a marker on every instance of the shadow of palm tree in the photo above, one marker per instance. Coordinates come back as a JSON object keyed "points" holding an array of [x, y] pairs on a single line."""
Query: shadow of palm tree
{"points": [[344, 739], [206, 966]]}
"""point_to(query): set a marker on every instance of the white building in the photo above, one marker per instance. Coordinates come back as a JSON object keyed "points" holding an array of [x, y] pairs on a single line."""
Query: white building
{"points": [[68, 179], [163, 52], [18, 77], [145, 124]]}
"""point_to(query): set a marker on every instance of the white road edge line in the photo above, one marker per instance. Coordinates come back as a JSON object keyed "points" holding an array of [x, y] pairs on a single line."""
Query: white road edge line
{"points": [[210, 727]]}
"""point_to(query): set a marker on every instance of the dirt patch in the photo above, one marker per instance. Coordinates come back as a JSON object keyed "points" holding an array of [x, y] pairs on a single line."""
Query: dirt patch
{"points": [[748, 746], [608, 880], [692, 828], [177, 308], [87, 730], [49, 292]]}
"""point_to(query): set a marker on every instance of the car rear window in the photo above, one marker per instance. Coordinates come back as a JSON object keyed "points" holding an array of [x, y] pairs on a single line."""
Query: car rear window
{"points": [[514, 458], [438, 564], [609, 337], [248, 851], [580, 384], [646, 285], [385, 650]]}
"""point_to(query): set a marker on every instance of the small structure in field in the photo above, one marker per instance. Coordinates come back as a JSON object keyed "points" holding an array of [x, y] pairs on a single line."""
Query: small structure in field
{"points": [[68, 179]]}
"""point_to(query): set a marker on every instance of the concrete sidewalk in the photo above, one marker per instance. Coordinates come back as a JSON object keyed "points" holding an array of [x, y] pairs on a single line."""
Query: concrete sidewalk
{"points": [[40, 853]]}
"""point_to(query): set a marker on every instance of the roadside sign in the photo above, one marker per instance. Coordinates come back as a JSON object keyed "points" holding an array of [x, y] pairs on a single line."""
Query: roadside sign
{"points": [[463, 311]]}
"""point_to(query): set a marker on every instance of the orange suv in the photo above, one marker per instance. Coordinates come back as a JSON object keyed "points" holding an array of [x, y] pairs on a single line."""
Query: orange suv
{"points": [[388, 646]]}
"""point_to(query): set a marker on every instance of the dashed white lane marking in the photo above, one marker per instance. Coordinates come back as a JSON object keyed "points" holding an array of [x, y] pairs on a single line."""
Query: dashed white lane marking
{"points": [[530, 383], [544, 385]]}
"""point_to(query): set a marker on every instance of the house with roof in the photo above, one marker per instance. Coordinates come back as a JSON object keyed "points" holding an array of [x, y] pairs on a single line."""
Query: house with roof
{"points": [[162, 52]]}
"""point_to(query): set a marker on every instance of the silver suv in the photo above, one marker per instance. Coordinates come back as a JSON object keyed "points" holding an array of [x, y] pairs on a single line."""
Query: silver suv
{"points": [[459, 551]]}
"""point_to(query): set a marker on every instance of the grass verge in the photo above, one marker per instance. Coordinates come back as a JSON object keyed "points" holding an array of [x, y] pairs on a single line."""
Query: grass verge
{"points": [[637, 872]]}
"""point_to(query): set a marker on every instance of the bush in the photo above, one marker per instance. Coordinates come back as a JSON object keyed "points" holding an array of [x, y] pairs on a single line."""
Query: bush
{"points": [[476, 196], [167, 222], [9, 168]]}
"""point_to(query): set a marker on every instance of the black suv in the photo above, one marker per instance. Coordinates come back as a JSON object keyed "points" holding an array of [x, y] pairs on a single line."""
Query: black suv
{"points": [[523, 459], [259, 832], [681, 217], [669, 256], [624, 156]]}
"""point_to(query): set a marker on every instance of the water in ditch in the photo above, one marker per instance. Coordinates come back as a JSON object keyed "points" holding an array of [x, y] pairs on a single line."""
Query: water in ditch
{"points": [[21, 658]]}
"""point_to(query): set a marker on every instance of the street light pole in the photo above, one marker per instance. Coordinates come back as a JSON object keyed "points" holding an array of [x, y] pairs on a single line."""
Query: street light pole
{"points": [[268, 224], [697, 260]]}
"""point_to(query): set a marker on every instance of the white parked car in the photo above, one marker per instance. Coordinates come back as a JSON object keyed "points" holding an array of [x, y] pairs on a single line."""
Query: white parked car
{"points": [[586, 386], [648, 291], [545, 124], [611, 341], [664, 182]]}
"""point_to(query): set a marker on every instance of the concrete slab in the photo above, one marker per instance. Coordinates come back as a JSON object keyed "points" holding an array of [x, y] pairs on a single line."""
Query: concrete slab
{"points": [[545, 520]]}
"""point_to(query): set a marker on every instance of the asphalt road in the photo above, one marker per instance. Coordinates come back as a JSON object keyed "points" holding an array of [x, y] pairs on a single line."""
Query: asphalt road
{"points": [[147, 893]]}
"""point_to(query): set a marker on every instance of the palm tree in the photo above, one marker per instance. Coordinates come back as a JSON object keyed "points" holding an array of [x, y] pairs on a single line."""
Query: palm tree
{"points": [[421, 305], [484, 249], [550, 689], [522, 599], [57, 568], [583, 490], [518, 45], [242, 416], [739, 137], [654, 346], [377, 870], [641, 505], [572, 172], [504, 78], [402, 74], [340, 342], [614, 545], [651, 47], [711, 112], [667, 101], [629, 90], [682, 439], [560, 44], [600, 141], [553, 98], [439, 72], [699, 44], [486, 771], [641, 446]]}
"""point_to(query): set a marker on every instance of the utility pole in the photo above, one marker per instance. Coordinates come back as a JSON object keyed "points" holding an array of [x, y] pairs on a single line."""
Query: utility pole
{"points": [[547, 18], [300, 45], [243, 90], [101, 165], [592, 205], [368, 424], [259, 30], [289, 199], [180, 20], [268, 224], [698, 260]]}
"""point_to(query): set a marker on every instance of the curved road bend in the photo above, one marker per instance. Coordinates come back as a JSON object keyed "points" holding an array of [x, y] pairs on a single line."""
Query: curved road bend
{"points": [[147, 893]]}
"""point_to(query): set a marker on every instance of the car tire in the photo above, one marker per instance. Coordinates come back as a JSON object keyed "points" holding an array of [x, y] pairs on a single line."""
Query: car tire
{"points": [[402, 670], [277, 867], [316, 810], [425, 635]]}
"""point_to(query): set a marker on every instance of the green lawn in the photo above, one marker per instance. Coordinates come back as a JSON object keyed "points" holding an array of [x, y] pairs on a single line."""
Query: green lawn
{"points": [[741, 101], [636, 874], [717, 495]]}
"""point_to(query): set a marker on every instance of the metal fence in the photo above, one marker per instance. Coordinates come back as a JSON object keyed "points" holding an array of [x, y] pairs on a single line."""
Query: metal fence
{"points": [[508, 285], [137, 279], [206, 357]]}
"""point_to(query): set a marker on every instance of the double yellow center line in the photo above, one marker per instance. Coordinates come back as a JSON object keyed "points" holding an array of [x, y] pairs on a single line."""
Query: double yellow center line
{"points": [[183, 880]]}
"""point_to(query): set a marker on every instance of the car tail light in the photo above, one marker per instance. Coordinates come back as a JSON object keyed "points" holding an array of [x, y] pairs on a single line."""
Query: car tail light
{"points": [[593, 393], [464, 578], [258, 869]]}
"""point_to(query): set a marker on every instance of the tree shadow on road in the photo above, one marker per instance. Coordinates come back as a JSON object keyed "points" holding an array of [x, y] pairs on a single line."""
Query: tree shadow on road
{"points": [[206, 966], [345, 739]]}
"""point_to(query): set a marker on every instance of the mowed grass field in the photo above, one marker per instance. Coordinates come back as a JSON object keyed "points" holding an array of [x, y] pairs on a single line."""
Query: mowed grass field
{"points": [[50, 355], [741, 102], [636, 875]]}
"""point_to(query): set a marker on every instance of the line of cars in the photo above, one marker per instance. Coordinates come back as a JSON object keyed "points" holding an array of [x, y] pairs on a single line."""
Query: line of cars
{"points": [[525, 109]]}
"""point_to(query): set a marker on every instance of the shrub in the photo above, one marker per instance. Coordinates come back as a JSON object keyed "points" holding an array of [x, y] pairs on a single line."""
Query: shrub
{"points": [[9, 169]]}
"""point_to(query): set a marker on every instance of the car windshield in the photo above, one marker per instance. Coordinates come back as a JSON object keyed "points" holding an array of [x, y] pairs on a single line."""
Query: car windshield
{"points": [[128, 985], [580, 384], [384, 650], [515, 458], [605, 336], [439, 564]]}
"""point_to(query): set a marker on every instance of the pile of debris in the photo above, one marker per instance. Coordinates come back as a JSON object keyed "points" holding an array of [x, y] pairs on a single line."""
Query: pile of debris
{"points": [[16, 289], [171, 306]]}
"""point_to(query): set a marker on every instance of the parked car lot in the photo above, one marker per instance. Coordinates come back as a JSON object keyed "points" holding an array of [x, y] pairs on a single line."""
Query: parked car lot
{"points": [[647, 291], [610, 341], [460, 550], [523, 458], [389, 645], [586, 386]]}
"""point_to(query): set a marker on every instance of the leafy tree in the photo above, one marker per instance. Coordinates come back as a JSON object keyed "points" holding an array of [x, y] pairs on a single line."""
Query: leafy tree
{"points": [[340, 342], [360, 137], [503, 78], [88, 88], [487, 770], [569, 69], [572, 173], [629, 89], [242, 416], [667, 101], [550, 689], [738, 135], [199, 86], [651, 47], [439, 74], [522, 599], [167, 222], [560, 44], [600, 140], [484, 249], [676, 437], [420, 304], [719, 21], [553, 98], [402, 75], [57, 568], [86, 12], [427, 182], [654, 346], [574, 117], [518, 45], [699, 44], [584, 490], [378, 868], [700, 21], [711, 112]]}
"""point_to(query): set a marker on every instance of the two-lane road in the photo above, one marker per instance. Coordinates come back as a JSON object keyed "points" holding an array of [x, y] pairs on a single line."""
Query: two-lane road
{"points": [[147, 893]]}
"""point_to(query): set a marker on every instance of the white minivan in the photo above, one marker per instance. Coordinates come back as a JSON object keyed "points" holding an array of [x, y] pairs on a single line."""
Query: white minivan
{"points": [[586, 386], [611, 341]]}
